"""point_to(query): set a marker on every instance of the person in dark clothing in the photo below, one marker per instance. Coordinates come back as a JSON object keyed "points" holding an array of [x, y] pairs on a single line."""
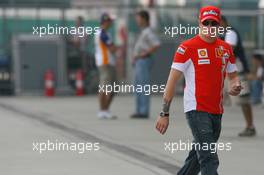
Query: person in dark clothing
{"points": [[233, 38]]}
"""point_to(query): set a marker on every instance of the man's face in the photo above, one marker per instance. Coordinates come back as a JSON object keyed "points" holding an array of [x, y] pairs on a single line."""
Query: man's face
{"points": [[139, 20], [107, 24], [209, 28]]}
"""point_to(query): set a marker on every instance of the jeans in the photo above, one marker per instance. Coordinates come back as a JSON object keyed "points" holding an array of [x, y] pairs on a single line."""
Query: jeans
{"points": [[256, 91], [142, 78], [205, 129]]}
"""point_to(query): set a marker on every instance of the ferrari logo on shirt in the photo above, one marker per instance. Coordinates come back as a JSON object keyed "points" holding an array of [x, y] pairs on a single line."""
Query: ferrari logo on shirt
{"points": [[202, 53], [219, 52], [222, 53]]}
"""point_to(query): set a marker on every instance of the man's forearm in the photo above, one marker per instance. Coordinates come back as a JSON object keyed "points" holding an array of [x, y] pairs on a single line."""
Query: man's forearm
{"points": [[153, 49], [149, 51], [169, 90], [168, 96], [166, 105]]}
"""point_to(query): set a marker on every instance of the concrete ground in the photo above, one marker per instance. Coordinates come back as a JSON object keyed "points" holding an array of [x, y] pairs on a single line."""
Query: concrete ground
{"points": [[126, 146]]}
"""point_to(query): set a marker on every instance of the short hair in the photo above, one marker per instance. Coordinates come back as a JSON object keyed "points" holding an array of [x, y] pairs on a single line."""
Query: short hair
{"points": [[144, 14]]}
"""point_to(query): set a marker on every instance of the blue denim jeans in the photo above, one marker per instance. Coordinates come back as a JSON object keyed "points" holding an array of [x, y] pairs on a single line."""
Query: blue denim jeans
{"points": [[205, 129], [256, 91], [142, 78]]}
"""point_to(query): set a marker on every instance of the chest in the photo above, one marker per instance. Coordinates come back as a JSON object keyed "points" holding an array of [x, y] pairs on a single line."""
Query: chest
{"points": [[210, 60]]}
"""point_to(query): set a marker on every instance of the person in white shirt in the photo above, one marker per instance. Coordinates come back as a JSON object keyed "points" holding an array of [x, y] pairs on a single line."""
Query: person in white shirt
{"points": [[105, 61], [147, 43]]}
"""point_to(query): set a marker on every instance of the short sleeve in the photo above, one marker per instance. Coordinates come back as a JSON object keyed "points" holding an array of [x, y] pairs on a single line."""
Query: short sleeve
{"points": [[231, 65], [153, 39], [105, 38], [260, 73], [231, 38], [181, 57]]}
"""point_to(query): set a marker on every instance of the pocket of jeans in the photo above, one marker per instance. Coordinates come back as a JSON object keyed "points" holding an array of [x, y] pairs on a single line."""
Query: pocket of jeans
{"points": [[190, 114], [204, 125]]}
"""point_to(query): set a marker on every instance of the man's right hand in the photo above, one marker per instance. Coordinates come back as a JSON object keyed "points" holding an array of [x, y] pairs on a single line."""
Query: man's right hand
{"points": [[162, 124], [235, 88]]}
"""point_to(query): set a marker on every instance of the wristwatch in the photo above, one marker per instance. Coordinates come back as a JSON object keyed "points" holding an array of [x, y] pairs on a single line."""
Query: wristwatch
{"points": [[164, 114]]}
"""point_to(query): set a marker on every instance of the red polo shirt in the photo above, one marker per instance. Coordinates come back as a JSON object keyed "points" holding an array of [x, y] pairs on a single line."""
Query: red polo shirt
{"points": [[204, 66]]}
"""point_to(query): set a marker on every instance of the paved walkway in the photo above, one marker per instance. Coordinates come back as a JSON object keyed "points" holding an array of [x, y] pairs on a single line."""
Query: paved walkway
{"points": [[126, 146]]}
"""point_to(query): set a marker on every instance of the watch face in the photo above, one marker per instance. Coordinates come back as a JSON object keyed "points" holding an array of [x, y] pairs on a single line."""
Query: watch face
{"points": [[163, 114]]}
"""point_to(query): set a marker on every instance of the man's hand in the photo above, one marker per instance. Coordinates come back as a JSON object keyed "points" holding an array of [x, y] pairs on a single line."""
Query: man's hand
{"points": [[162, 124], [235, 88], [143, 54], [234, 84]]}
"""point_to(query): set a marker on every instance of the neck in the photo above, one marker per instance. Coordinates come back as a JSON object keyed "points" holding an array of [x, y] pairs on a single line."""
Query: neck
{"points": [[207, 39], [103, 27], [144, 26]]}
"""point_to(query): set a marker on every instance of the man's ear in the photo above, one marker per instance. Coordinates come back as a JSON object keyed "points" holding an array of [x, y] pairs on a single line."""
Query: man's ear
{"points": [[199, 23]]}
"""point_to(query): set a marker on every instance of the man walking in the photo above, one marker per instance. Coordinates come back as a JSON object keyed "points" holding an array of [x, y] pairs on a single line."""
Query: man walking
{"points": [[146, 45], [204, 60], [104, 55]]}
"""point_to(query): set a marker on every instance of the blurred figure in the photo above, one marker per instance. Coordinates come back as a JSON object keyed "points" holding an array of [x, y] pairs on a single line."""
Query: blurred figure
{"points": [[233, 38], [79, 42], [104, 54], [256, 78], [146, 44]]}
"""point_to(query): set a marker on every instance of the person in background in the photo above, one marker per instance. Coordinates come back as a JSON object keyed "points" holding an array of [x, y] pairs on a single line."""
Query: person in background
{"points": [[79, 42], [104, 55], [256, 77], [233, 38], [146, 44]]}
